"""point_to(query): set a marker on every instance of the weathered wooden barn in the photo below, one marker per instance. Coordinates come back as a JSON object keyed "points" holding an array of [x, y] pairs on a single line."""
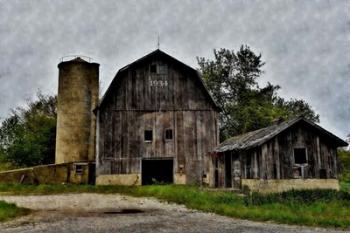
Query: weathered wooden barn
{"points": [[293, 154], [156, 122]]}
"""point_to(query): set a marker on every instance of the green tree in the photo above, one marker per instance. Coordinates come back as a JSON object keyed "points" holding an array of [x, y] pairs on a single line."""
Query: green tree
{"points": [[344, 164], [28, 136], [232, 80]]}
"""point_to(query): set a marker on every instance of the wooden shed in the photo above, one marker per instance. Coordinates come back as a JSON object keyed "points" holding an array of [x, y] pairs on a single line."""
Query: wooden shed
{"points": [[156, 123], [293, 154]]}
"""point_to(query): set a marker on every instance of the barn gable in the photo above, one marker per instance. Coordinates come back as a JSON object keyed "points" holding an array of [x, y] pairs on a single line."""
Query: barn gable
{"points": [[162, 86]]}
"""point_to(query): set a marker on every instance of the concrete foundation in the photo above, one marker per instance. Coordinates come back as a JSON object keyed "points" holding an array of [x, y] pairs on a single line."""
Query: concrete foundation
{"points": [[270, 186], [179, 178], [50, 174], [131, 179], [121, 179]]}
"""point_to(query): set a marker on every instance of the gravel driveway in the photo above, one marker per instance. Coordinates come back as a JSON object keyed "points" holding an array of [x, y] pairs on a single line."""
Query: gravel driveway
{"points": [[110, 213]]}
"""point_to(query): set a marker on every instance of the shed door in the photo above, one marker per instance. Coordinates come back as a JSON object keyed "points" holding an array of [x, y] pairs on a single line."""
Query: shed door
{"points": [[228, 171], [158, 171]]}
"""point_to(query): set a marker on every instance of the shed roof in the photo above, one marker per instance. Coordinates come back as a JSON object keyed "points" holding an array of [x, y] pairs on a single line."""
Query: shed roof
{"points": [[258, 137], [159, 53]]}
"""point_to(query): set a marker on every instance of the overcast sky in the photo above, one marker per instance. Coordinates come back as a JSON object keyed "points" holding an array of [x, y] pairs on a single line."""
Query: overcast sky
{"points": [[305, 44]]}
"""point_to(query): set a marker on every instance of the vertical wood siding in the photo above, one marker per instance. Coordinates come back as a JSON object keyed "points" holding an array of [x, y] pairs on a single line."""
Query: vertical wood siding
{"points": [[142, 100]]}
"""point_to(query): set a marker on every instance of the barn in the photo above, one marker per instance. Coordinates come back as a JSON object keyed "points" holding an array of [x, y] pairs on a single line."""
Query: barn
{"points": [[293, 154], [156, 123]]}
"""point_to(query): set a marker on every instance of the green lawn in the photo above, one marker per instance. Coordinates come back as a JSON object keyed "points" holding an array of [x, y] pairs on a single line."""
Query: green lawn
{"points": [[345, 186], [324, 208], [9, 211]]}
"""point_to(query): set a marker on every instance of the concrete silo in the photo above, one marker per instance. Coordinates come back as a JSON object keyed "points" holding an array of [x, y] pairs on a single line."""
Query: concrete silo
{"points": [[78, 91]]}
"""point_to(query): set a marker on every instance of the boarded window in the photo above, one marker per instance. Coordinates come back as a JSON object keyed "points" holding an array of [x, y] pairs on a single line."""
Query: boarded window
{"points": [[300, 156], [153, 69], [168, 134], [148, 135], [162, 69]]}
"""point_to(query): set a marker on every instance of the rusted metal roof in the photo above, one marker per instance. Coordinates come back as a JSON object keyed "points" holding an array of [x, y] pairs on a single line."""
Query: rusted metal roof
{"points": [[258, 137]]}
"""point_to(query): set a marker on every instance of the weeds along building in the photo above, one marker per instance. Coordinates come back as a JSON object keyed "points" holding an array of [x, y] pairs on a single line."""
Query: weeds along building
{"points": [[156, 123]]}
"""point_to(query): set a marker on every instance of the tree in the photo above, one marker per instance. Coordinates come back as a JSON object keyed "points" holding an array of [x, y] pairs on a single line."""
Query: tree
{"points": [[232, 79], [28, 136]]}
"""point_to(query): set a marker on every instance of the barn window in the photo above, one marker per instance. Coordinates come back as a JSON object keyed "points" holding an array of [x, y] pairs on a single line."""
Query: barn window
{"points": [[162, 69], [300, 156], [168, 134], [148, 135], [153, 69], [159, 69]]}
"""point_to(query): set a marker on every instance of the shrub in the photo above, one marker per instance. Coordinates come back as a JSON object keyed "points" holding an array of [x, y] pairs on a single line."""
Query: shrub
{"points": [[297, 197]]}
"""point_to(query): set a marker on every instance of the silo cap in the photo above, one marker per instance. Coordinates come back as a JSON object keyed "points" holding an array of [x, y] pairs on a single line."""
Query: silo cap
{"points": [[78, 59]]}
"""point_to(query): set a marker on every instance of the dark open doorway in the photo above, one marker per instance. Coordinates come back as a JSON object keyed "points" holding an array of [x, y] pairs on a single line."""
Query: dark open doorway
{"points": [[228, 171], [157, 171]]}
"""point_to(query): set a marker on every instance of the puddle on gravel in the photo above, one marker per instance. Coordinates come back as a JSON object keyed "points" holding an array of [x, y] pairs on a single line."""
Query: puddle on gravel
{"points": [[124, 211]]}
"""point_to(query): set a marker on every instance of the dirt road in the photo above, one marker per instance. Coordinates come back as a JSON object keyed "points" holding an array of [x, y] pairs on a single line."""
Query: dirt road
{"points": [[83, 213]]}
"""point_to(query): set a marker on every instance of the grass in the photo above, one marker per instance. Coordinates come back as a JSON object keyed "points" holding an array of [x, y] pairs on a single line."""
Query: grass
{"points": [[9, 211], [345, 186], [324, 208]]}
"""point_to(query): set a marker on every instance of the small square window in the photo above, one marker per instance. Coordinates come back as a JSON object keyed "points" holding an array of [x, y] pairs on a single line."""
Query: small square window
{"points": [[162, 69], [78, 169], [148, 135], [300, 156], [153, 69], [168, 134]]}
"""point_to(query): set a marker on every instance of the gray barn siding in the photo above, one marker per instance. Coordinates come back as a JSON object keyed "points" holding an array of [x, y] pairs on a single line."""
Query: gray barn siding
{"points": [[279, 151], [135, 105]]}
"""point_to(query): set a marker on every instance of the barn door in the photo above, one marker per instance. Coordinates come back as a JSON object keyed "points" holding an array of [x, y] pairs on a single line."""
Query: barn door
{"points": [[157, 171]]}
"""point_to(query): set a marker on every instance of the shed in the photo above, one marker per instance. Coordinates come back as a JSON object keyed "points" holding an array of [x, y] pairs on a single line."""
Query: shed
{"points": [[292, 154]]}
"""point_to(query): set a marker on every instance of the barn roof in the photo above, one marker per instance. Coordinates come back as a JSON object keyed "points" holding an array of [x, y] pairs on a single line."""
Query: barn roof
{"points": [[159, 53], [258, 137]]}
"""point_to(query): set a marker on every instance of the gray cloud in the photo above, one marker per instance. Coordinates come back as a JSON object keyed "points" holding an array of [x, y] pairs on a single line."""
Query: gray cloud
{"points": [[305, 43]]}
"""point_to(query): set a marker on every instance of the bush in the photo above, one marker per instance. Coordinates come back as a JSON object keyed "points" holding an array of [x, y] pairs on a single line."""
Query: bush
{"points": [[297, 197]]}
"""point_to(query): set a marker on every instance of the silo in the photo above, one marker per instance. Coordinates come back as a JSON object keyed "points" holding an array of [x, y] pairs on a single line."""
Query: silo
{"points": [[78, 91]]}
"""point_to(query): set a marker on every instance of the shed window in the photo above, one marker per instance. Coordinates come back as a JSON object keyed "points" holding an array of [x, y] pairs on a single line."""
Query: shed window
{"points": [[168, 134], [300, 156], [148, 135]]}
